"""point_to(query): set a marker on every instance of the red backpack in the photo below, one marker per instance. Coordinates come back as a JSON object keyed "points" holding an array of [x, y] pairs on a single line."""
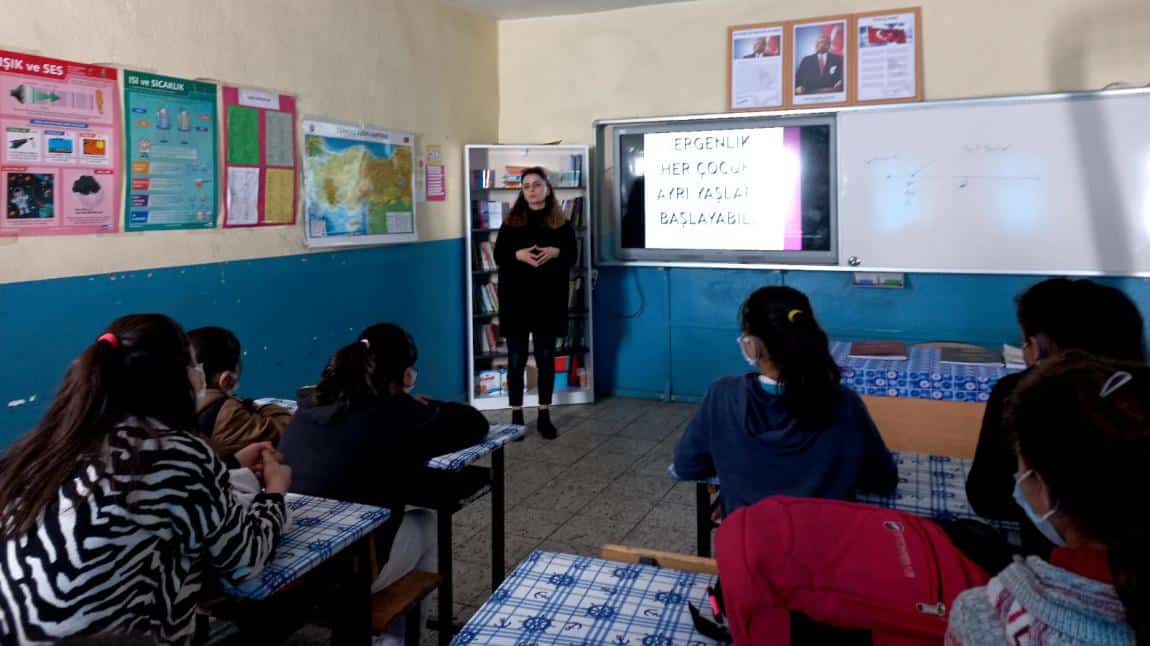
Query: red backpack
{"points": [[842, 564]]}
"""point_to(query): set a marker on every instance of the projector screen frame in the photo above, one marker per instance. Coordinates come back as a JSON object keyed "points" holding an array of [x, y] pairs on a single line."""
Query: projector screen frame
{"points": [[608, 154]]}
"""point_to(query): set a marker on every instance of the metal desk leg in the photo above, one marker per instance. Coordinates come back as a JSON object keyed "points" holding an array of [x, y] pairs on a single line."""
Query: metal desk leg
{"points": [[446, 602], [703, 518], [497, 519], [353, 615]]}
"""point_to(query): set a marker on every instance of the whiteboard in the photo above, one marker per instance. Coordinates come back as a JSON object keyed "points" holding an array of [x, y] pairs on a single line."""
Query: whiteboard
{"points": [[1052, 184]]}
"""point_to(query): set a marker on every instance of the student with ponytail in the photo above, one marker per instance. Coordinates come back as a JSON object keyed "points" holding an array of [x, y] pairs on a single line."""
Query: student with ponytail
{"points": [[113, 512], [788, 427], [365, 439], [1081, 426]]}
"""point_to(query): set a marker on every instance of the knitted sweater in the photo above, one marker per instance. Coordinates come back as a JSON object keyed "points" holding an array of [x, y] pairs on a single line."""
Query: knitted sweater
{"points": [[1033, 603]]}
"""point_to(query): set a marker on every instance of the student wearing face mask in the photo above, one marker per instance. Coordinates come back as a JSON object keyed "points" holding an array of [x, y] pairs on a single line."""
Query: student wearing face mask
{"points": [[1081, 429], [788, 427], [1055, 315], [228, 422], [364, 438]]}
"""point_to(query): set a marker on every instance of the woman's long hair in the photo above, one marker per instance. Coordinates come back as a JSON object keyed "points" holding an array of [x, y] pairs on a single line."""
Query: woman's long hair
{"points": [[1082, 423], [782, 318], [369, 367], [139, 368], [518, 215]]}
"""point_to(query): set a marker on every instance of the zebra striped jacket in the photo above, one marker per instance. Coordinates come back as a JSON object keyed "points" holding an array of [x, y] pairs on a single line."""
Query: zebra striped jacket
{"points": [[131, 539]]}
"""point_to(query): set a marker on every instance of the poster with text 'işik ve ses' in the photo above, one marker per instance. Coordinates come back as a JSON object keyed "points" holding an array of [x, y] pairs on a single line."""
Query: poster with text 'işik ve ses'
{"points": [[59, 157]]}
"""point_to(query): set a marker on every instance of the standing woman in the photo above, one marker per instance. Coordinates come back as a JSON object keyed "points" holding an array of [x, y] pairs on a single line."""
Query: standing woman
{"points": [[535, 251]]}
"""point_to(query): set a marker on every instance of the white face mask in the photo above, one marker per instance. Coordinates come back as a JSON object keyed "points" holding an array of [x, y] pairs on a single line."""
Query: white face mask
{"points": [[744, 341], [409, 380], [200, 384]]}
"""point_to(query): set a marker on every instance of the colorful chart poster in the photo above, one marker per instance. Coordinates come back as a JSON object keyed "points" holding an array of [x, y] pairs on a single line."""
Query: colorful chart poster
{"points": [[436, 174], [59, 159], [358, 183], [172, 133], [260, 158]]}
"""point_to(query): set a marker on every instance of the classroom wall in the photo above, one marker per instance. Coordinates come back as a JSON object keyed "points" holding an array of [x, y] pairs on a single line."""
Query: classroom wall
{"points": [[670, 332], [416, 66], [412, 65]]}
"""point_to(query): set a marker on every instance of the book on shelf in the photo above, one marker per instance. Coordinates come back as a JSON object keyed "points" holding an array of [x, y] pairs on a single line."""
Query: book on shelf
{"points": [[487, 338], [483, 178], [575, 293], [970, 356], [487, 214], [878, 350], [483, 256], [486, 299], [573, 209]]}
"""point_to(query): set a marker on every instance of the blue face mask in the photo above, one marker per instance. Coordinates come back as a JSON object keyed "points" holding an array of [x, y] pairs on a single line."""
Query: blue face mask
{"points": [[1041, 522]]}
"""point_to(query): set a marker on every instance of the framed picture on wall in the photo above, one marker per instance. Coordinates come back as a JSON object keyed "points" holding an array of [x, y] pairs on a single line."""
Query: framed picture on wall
{"points": [[820, 64], [756, 69], [889, 67]]}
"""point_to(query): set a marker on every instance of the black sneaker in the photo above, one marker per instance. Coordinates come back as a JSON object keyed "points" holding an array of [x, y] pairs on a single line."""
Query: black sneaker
{"points": [[546, 429]]}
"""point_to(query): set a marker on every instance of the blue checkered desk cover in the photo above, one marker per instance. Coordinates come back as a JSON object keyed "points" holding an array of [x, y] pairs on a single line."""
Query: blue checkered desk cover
{"points": [[497, 437], [921, 376], [575, 600], [320, 529], [933, 486]]}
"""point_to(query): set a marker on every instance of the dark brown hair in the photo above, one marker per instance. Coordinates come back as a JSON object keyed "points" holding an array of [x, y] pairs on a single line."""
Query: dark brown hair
{"points": [[1091, 448], [782, 318], [518, 215], [369, 367], [218, 350], [142, 373]]}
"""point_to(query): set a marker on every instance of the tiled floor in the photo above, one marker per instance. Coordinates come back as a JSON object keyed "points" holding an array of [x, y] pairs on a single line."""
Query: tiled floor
{"points": [[603, 481]]}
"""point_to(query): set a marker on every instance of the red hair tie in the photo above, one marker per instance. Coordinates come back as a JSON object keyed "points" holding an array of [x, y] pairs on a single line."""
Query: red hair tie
{"points": [[110, 339]]}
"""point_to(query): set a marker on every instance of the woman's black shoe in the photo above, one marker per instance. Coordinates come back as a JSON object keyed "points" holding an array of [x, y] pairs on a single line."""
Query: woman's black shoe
{"points": [[546, 428]]}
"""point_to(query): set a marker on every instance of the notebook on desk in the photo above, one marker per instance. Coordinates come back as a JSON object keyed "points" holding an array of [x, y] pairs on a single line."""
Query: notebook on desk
{"points": [[970, 356], [892, 350]]}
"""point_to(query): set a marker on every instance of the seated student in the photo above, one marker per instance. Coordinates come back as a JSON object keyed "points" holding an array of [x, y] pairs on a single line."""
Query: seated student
{"points": [[365, 439], [1055, 315], [115, 478], [789, 427], [1082, 431], [230, 423]]}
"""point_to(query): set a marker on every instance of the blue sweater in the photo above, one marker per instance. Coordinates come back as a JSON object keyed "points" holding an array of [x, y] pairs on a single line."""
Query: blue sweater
{"points": [[744, 435]]}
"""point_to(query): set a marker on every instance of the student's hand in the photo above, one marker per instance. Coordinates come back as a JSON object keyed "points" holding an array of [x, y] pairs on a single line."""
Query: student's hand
{"points": [[528, 256], [277, 475], [838, 85], [249, 456], [547, 254], [423, 399], [800, 90]]}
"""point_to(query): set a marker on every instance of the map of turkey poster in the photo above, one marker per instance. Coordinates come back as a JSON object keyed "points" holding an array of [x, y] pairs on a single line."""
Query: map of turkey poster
{"points": [[359, 185]]}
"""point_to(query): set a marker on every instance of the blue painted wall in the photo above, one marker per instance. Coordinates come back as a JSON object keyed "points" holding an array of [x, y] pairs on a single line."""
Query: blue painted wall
{"points": [[670, 332], [290, 313]]}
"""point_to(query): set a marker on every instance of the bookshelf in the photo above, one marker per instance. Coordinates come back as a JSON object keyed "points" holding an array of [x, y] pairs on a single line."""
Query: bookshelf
{"points": [[487, 168]]}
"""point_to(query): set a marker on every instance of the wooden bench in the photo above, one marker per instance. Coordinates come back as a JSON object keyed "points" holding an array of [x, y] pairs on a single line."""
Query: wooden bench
{"points": [[670, 560], [402, 599]]}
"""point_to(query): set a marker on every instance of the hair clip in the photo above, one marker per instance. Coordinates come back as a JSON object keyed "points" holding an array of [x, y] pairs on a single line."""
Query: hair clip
{"points": [[1116, 381], [366, 343], [793, 314], [109, 338]]}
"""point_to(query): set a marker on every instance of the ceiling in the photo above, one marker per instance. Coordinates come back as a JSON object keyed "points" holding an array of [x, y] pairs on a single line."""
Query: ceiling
{"points": [[512, 9]]}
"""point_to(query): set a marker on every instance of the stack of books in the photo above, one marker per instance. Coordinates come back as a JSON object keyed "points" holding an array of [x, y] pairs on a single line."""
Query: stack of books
{"points": [[487, 214]]}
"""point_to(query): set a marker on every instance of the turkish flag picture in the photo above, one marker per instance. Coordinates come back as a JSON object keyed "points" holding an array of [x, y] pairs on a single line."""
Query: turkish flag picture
{"points": [[885, 36]]}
